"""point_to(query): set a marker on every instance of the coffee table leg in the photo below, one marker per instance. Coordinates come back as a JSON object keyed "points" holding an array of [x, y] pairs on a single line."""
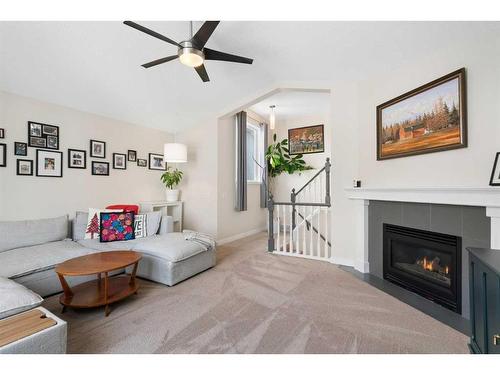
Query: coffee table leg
{"points": [[106, 309], [67, 290], [132, 275]]}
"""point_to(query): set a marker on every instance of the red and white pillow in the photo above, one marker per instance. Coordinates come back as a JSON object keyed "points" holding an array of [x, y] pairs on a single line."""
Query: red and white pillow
{"points": [[93, 223]]}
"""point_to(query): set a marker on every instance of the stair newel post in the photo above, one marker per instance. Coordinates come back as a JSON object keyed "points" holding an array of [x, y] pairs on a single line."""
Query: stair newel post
{"points": [[327, 178], [292, 199], [270, 209]]}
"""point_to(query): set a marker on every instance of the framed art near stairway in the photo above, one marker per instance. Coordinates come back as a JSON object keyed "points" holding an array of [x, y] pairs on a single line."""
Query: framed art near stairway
{"points": [[495, 173], [430, 118], [49, 163], [20, 149], [306, 140], [100, 168]]}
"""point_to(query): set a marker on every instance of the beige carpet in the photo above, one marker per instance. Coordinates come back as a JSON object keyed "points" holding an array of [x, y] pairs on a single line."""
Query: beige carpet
{"points": [[253, 302]]}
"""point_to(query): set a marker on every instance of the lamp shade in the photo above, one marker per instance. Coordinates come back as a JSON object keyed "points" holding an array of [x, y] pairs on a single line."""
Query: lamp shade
{"points": [[175, 153]]}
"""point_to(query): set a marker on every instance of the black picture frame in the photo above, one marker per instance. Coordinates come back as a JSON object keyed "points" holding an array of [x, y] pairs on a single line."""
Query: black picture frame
{"points": [[73, 150], [92, 155], [42, 135], [2, 133], [142, 163], [20, 149], [3, 152], [152, 167], [18, 167], [427, 147], [290, 132], [93, 169], [115, 166], [60, 156], [132, 155], [495, 181]]}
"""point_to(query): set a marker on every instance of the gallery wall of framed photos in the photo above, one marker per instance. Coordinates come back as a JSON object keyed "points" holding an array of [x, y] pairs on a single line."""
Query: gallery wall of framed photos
{"points": [[67, 177]]}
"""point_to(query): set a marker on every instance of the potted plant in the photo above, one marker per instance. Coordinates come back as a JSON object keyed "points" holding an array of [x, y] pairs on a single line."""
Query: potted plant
{"points": [[280, 161], [171, 178]]}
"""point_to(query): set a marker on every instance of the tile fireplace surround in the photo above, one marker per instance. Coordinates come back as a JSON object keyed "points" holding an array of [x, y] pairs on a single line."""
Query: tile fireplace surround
{"points": [[423, 205]]}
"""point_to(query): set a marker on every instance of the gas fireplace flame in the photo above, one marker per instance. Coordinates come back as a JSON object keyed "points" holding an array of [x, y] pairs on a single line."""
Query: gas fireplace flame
{"points": [[433, 265]]}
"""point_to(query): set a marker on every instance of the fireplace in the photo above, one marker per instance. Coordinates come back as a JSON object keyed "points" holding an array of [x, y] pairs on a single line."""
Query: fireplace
{"points": [[427, 263]]}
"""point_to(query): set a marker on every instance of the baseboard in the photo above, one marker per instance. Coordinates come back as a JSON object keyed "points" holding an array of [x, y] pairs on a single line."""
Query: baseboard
{"points": [[342, 261], [240, 236]]}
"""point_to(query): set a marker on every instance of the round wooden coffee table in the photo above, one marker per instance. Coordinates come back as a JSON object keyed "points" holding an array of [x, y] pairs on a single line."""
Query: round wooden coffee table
{"points": [[104, 290]]}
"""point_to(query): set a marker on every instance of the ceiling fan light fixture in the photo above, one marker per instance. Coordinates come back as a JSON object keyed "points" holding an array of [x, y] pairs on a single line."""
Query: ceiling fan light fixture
{"points": [[191, 57]]}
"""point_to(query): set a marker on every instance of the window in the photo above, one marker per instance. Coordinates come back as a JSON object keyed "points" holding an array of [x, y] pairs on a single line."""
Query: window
{"points": [[255, 144]]}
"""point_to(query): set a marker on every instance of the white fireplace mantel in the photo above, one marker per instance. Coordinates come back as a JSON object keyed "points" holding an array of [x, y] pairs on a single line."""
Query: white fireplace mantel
{"points": [[463, 196]]}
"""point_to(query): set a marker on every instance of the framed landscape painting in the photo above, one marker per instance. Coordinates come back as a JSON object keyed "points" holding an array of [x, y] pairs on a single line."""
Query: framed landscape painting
{"points": [[430, 118], [306, 140]]}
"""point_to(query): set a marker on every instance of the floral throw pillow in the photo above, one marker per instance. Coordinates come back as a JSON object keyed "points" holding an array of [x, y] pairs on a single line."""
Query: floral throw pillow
{"points": [[117, 226]]}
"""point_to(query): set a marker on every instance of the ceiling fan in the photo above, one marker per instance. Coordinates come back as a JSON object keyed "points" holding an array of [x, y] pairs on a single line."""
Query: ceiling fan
{"points": [[192, 52]]}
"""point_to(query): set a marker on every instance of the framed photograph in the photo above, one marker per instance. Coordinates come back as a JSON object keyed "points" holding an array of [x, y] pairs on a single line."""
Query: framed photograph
{"points": [[495, 173], [51, 130], [100, 168], [156, 162], [2, 133], [20, 149], [49, 163], [142, 163], [77, 158], [24, 167], [306, 140], [52, 142], [119, 161], [3, 155], [43, 135], [97, 149], [430, 118], [38, 142], [132, 155]]}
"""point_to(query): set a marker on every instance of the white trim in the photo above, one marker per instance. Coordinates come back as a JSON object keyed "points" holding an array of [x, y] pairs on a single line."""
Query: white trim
{"points": [[463, 196], [342, 261], [240, 236]]}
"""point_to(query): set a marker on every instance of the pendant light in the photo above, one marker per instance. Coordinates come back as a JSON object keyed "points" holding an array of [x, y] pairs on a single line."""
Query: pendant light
{"points": [[272, 117]]}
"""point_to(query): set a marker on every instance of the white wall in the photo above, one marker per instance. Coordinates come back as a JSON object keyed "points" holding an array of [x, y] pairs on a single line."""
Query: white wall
{"points": [[284, 183], [199, 185], [24, 197], [232, 223], [469, 166]]}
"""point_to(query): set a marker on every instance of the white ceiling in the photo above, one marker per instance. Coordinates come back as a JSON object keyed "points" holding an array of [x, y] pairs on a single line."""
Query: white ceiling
{"points": [[95, 66], [292, 104]]}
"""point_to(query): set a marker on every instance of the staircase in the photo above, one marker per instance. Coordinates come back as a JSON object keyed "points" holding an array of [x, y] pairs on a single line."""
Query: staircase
{"points": [[300, 227]]}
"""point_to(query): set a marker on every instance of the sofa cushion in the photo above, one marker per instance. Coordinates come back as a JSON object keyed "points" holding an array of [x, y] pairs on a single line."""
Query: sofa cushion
{"points": [[26, 260], [96, 245], [15, 234], [80, 225], [15, 298], [171, 246], [153, 222]]}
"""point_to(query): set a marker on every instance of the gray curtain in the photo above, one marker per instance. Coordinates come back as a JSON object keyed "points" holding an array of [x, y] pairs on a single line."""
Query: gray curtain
{"points": [[241, 161], [263, 185]]}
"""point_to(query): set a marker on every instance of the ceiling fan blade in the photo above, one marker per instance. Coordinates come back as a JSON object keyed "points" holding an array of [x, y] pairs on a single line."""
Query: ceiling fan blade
{"points": [[160, 61], [211, 54], [151, 32], [202, 35], [202, 72]]}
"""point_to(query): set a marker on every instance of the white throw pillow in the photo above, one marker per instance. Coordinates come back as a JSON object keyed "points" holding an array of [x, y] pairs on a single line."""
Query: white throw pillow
{"points": [[140, 227], [94, 222], [16, 298]]}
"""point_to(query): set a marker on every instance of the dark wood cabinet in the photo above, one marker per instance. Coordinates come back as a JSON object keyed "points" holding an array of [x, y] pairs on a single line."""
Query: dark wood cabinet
{"points": [[484, 279]]}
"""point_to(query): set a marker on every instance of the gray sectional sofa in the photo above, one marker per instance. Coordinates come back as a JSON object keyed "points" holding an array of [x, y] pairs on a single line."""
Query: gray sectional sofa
{"points": [[30, 250]]}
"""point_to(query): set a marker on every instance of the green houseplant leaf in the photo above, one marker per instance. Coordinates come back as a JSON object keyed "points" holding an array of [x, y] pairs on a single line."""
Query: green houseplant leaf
{"points": [[171, 178]]}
